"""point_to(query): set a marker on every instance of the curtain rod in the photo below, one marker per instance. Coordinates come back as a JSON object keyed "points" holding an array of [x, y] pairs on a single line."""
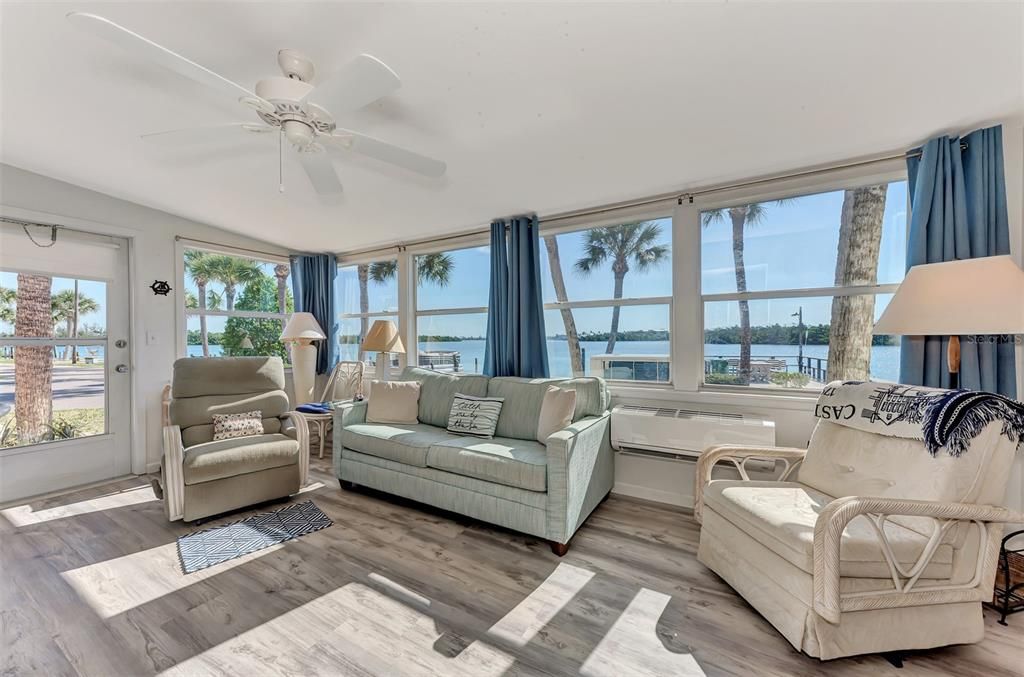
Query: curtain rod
{"points": [[54, 227], [180, 238], [655, 199]]}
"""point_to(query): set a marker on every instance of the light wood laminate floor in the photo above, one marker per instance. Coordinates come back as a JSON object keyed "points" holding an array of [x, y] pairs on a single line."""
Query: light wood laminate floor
{"points": [[91, 585]]}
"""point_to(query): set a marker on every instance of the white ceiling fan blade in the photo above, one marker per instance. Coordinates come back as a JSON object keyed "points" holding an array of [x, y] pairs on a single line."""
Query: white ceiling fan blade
{"points": [[320, 171], [386, 152], [363, 80], [144, 48], [192, 135]]}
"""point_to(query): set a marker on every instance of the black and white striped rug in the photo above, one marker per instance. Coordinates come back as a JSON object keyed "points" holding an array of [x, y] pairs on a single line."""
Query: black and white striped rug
{"points": [[205, 548]]}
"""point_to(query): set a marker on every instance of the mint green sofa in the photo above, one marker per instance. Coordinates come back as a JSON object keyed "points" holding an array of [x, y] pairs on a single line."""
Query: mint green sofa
{"points": [[514, 481]]}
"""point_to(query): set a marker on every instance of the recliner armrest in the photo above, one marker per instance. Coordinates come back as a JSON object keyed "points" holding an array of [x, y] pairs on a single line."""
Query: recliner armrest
{"points": [[302, 435], [172, 475]]}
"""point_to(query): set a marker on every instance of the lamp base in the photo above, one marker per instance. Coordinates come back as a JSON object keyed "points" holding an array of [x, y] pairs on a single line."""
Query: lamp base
{"points": [[383, 368], [953, 362], [303, 371]]}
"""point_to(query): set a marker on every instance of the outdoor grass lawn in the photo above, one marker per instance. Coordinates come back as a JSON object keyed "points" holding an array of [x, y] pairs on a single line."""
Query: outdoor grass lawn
{"points": [[66, 424]]}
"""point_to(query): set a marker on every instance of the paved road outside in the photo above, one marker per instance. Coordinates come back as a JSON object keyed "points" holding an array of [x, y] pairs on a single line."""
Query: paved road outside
{"points": [[73, 388]]}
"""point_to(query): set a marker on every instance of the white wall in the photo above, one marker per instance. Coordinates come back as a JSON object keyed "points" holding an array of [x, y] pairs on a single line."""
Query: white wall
{"points": [[152, 236], [672, 481]]}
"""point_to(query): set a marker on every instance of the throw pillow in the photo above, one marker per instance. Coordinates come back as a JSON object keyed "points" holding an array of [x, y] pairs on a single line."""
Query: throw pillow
{"points": [[555, 411], [227, 426], [393, 402], [476, 416]]}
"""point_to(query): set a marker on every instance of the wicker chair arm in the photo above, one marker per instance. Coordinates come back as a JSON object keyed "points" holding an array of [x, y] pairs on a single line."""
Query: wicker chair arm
{"points": [[738, 456]]}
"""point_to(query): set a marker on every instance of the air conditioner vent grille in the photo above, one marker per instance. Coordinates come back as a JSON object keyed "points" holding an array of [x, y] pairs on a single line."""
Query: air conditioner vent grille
{"points": [[663, 412]]}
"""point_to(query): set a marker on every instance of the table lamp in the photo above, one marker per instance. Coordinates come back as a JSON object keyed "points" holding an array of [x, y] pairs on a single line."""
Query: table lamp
{"points": [[383, 339], [975, 296], [302, 329]]}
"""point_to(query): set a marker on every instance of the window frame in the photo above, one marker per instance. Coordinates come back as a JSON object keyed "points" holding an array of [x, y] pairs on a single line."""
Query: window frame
{"points": [[373, 314], [181, 246], [689, 211]]}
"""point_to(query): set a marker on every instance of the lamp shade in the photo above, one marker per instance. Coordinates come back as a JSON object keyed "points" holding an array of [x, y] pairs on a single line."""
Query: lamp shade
{"points": [[975, 296], [302, 326], [383, 338]]}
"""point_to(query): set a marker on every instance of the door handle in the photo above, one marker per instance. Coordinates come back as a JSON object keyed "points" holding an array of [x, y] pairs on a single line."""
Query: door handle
{"points": [[121, 369]]}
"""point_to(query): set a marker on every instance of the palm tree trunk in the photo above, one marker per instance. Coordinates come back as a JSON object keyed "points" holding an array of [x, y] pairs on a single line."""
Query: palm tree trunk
{"points": [[74, 326], [229, 296], [613, 335], [33, 365], [571, 335], [281, 272], [860, 239], [67, 349], [738, 218], [201, 302], [363, 271]]}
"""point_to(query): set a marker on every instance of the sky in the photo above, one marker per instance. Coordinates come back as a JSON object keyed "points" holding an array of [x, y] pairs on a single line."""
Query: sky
{"points": [[793, 247], [97, 291]]}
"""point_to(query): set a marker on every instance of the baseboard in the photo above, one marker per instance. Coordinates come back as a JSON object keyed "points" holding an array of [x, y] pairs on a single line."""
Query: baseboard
{"points": [[639, 491], [153, 468]]}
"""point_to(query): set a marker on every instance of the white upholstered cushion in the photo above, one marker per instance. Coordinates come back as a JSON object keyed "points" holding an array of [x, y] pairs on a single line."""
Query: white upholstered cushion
{"points": [[393, 402], [781, 516]]}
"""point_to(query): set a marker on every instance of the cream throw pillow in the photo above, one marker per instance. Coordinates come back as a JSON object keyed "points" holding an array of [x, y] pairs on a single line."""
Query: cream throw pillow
{"points": [[393, 402], [555, 412]]}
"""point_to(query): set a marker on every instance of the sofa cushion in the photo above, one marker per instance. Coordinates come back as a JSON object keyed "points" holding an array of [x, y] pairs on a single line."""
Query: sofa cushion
{"points": [[226, 458], [512, 462], [524, 398], [437, 391], [198, 376], [197, 434], [781, 516], [190, 411], [402, 442]]}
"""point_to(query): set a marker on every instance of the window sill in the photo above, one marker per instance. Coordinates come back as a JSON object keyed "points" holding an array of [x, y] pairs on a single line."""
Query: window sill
{"points": [[759, 399]]}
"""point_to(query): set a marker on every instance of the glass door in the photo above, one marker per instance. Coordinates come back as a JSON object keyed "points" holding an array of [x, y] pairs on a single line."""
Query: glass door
{"points": [[64, 366]]}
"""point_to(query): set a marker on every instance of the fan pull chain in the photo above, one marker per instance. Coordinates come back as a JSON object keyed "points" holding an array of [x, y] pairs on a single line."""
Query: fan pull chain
{"points": [[280, 162]]}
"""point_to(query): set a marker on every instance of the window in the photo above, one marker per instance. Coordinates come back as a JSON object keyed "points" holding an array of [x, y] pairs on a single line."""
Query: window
{"points": [[366, 292], [608, 301], [56, 331], [235, 304], [791, 287], [452, 289]]}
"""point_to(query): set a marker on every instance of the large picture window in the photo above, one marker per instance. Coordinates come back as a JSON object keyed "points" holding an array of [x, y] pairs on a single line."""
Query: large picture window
{"points": [[366, 292], [792, 287], [235, 304], [608, 301], [452, 289]]}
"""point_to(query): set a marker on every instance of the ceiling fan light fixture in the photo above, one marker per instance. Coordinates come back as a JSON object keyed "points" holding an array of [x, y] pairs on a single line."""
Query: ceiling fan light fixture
{"points": [[299, 134], [294, 64]]}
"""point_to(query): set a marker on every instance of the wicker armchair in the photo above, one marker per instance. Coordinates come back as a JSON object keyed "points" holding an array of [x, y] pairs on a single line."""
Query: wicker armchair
{"points": [[865, 543]]}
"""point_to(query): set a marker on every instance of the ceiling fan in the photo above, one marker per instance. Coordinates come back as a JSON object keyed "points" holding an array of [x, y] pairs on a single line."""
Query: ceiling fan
{"points": [[284, 104]]}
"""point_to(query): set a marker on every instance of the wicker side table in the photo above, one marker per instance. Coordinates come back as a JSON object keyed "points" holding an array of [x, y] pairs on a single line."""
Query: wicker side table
{"points": [[1008, 597]]}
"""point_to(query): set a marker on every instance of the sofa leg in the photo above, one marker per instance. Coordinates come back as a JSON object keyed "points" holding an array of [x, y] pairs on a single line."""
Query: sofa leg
{"points": [[559, 548], [346, 486], [895, 658]]}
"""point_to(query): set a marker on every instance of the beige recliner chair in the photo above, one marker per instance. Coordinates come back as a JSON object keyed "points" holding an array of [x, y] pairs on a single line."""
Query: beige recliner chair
{"points": [[867, 543], [201, 477]]}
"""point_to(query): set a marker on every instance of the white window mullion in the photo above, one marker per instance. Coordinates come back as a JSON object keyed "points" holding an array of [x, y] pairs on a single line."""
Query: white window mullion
{"points": [[406, 308], [687, 333]]}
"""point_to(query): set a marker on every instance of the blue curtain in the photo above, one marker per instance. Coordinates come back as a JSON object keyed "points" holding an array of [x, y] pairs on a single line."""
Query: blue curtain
{"points": [[313, 289], [516, 339], [958, 211]]}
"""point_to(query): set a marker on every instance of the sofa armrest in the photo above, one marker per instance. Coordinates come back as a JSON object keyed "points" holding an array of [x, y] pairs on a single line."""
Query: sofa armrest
{"points": [[580, 474], [172, 475], [738, 456], [350, 413], [828, 532], [302, 435]]}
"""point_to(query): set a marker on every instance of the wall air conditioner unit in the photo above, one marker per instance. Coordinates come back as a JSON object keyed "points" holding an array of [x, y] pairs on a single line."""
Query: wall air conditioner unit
{"points": [[684, 433]]}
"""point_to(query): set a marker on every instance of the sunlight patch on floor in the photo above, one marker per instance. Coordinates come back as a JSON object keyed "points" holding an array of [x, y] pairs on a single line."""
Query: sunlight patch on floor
{"points": [[114, 586], [521, 624], [368, 627], [633, 641], [23, 515]]}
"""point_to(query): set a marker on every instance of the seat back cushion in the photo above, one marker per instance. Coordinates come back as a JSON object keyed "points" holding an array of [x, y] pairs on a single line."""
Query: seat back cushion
{"points": [[843, 461], [202, 387], [524, 397], [437, 391]]}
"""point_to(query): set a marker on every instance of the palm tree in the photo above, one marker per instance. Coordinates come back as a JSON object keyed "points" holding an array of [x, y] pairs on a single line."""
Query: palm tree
{"points": [[571, 334], [33, 365], [8, 297], [68, 306], [202, 268], [740, 217], [232, 271], [281, 272], [627, 243], [432, 268], [860, 239]]}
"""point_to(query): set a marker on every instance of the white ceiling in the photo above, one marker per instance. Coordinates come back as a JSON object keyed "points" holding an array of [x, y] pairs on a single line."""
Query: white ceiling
{"points": [[536, 107]]}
